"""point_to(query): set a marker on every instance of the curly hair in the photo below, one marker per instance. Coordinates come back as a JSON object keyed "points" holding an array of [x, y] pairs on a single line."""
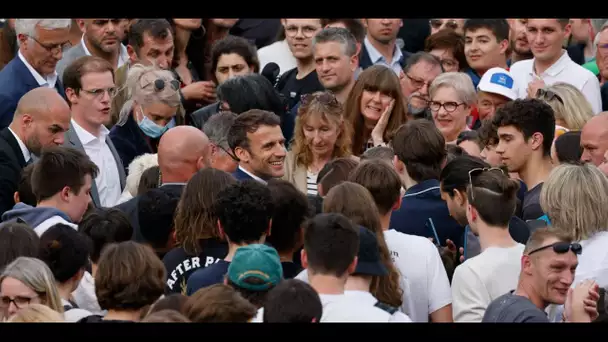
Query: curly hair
{"points": [[194, 219], [330, 112]]}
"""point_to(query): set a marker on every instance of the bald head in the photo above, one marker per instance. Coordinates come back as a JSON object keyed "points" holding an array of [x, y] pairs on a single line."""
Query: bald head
{"points": [[594, 139], [182, 151], [41, 101]]}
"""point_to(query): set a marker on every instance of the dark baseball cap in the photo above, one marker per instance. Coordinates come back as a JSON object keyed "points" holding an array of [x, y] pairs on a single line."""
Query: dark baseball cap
{"points": [[368, 259]]}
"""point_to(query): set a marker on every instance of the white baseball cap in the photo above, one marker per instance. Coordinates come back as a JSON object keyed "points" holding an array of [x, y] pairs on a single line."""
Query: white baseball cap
{"points": [[498, 81]]}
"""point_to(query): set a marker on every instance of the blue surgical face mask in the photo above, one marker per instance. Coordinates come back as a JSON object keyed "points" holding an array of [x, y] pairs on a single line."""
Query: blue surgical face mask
{"points": [[151, 129]]}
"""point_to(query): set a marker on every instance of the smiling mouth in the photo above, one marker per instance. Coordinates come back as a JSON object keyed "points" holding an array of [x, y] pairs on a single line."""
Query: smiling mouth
{"points": [[375, 109], [276, 163]]}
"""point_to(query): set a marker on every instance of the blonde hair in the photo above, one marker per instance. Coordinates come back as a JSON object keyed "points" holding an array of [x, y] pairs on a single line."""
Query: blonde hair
{"points": [[460, 82], [575, 110], [36, 275], [36, 313], [140, 88], [575, 198]]}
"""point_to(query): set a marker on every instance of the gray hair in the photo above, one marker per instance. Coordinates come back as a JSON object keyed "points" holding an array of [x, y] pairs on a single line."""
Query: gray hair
{"points": [[460, 82], [140, 89], [599, 31], [422, 56], [28, 26], [217, 126], [339, 35]]}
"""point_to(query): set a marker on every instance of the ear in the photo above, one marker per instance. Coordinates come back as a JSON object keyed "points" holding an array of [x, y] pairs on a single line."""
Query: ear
{"points": [[16, 197], [399, 166], [504, 45], [472, 212], [200, 163], [358, 51], [304, 258], [65, 193], [242, 154], [71, 95], [81, 25], [536, 141], [354, 61], [567, 31], [132, 55], [353, 266], [400, 22], [397, 204], [78, 276], [22, 40], [526, 264], [461, 198], [284, 22]]}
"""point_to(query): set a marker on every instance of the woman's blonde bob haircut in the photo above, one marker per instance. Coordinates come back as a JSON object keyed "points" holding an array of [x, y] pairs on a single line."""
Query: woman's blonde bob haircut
{"points": [[575, 110], [575, 198]]}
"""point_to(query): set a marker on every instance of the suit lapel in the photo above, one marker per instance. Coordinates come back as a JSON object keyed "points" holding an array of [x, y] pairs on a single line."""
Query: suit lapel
{"points": [[121, 169], [12, 142], [74, 142], [25, 74]]}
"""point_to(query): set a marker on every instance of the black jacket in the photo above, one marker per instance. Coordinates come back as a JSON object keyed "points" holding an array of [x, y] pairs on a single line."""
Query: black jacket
{"points": [[11, 164]]}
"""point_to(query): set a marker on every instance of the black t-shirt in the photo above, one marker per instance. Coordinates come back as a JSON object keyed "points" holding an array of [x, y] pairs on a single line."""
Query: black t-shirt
{"points": [[293, 89], [531, 209], [511, 308], [180, 265], [99, 319], [290, 269], [208, 276]]}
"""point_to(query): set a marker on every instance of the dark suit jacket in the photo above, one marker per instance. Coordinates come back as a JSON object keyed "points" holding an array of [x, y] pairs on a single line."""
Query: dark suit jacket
{"points": [[15, 81], [11, 164], [240, 175], [365, 61]]}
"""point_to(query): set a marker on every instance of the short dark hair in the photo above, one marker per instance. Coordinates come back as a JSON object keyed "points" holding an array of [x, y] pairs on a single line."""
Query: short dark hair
{"points": [[173, 301], [455, 174], [244, 210], [129, 277], [24, 188], [448, 40], [249, 122], [528, 116], [73, 73], [104, 226], [355, 26], [331, 242], [218, 303], [422, 56], [471, 135], [378, 152], [499, 27], [237, 45], [454, 151], [156, 28], [291, 209], [252, 91], [382, 182], [59, 167], [494, 195], [65, 251], [568, 147], [293, 301], [488, 135], [155, 211], [17, 240], [149, 179], [421, 147], [335, 172], [563, 21]]}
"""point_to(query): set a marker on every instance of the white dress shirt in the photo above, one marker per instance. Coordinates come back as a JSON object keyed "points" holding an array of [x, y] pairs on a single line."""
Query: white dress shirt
{"points": [[48, 82], [123, 56], [26, 153], [108, 179], [564, 70], [377, 58]]}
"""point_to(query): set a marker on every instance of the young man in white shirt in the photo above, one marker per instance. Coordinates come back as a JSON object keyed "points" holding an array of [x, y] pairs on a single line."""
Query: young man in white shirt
{"points": [[425, 285], [551, 63], [492, 198], [89, 86]]}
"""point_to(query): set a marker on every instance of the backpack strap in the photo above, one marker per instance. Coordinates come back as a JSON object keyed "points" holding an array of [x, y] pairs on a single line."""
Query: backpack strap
{"points": [[385, 307]]}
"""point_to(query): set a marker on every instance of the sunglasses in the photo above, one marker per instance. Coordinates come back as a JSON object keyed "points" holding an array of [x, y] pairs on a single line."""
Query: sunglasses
{"points": [[437, 23], [324, 98], [160, 84], [477, 171], [548, 95], [561, 248]]}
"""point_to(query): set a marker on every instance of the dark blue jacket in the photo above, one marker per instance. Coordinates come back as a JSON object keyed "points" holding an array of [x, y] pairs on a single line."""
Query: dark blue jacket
{"points": [[130, 142]]}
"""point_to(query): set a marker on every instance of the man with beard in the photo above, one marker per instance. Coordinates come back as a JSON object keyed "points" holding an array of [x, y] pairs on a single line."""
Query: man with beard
{"points": [[416, 78], [380, 44], [101, 38], [520, 48], [41, 119]]}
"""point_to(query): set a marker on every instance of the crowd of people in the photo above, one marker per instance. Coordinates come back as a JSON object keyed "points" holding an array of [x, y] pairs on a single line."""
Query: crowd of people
{"points": [[303, 170]]}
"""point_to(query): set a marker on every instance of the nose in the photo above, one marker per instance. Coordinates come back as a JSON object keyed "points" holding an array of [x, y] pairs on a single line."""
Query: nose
{"points": [[12, 309], [500, 148], [325, 66], [111, 27], [586, 156], [59, 139], [424, 90], [376, 97], [280, 151]]}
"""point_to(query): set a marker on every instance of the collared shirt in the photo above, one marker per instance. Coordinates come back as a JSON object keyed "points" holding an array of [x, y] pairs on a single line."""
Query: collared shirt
{"points": [[377, 58], [253, 176], [123, 56], [108, 179], [48, 82], [27, 155], [564, 70]]}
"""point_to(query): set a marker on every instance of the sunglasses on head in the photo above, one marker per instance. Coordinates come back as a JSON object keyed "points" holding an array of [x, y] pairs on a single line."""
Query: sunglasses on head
{"points": [[160, 84], [548, 95], [325, 98], [561, 248], [475, 172]]}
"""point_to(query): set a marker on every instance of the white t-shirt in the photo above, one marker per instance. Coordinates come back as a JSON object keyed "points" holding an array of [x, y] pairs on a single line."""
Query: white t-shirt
{"points": [[424, 281], [483, 278], [74, 314], [366, 298]]}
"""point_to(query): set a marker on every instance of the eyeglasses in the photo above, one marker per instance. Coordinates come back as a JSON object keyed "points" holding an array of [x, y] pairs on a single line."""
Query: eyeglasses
{"points": [[325, 98], [448, 106], [307, 31], [235, 158], [548, 95], [476, 171], [53, 48], [19, 301], [438, 23], [160, 84], [99, 92], [418, 83], [561, 248]]}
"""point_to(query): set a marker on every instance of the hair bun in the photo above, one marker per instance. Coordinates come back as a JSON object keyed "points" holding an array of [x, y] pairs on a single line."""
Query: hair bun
{"points": [[55, 244]]}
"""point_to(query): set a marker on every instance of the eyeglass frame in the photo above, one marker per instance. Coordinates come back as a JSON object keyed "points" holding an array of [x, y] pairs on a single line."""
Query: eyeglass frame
{"points": [[309, 35], [63, 47], [98, 92], [549, 95], [481, 170], [450, 23], [325, 98], [574, 247], [12, 300], [414, 81], [452, 103]]}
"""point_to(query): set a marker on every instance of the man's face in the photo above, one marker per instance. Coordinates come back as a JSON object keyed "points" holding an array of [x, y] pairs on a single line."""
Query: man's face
{"points": [[513, 149], [594, 141], [518, 36], [46, 129], [94, 99], [154, 51], [552, 273], [482, 49], [580, 30], [452, 24], [266, 153], [224, 23], [415, 83], [456, 206], [383, 31], [335, 69], [123, 29], [602, 54], [299, 34], [79, 202], [103, 34], [488, 103], [546, 37], [45, 49], [230, 65], [489, 155], [221, 159]]}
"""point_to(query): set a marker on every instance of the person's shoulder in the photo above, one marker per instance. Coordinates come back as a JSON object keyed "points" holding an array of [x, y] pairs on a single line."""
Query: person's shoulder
{"points": [[521, 66], [581, 72], [408, 241]]}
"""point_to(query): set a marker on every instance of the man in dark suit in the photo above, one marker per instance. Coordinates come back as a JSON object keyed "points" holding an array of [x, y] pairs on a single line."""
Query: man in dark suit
{"points": [[380, 45], [41, 118], [41, 45], [257, 141], [182, 151]]}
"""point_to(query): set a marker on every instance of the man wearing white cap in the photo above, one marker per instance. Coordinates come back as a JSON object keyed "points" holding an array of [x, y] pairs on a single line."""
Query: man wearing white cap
{"points": [[495, 88]]}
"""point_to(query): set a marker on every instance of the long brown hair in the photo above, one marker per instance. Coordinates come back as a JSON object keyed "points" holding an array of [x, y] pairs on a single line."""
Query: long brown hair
{"points": [[355, 202], [325, 105], [194, 219], [374, 78]]}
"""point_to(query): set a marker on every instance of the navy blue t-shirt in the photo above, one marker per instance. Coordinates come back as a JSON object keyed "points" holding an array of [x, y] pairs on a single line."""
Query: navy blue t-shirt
{"points": [[211, 275]]}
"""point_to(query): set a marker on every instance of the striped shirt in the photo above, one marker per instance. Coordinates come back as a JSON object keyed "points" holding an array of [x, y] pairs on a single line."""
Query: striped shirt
{"points": [[311, 183]]}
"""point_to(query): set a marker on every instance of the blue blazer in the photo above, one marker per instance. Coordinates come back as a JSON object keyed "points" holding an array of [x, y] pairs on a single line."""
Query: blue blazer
{"points": [[15, 81], [240, 175]]}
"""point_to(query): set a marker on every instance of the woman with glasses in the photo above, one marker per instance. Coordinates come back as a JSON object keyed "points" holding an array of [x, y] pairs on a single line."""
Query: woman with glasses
{"points": [[27, 281], [375, 108], [448, 47], [452, 97], [320, 136], [154, 106], [571, 108]]}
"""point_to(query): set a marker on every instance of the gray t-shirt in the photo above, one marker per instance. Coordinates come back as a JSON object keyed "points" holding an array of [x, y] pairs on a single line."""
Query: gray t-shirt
{"points": [[531, 209], [511, 308]]}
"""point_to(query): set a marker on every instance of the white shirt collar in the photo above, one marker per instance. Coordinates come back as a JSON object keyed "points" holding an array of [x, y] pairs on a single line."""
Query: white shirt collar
{"points": [[26, 153], [123, 56], [49, 81], [556, 67], [253, 176], [376, 56], [86, 136]]}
